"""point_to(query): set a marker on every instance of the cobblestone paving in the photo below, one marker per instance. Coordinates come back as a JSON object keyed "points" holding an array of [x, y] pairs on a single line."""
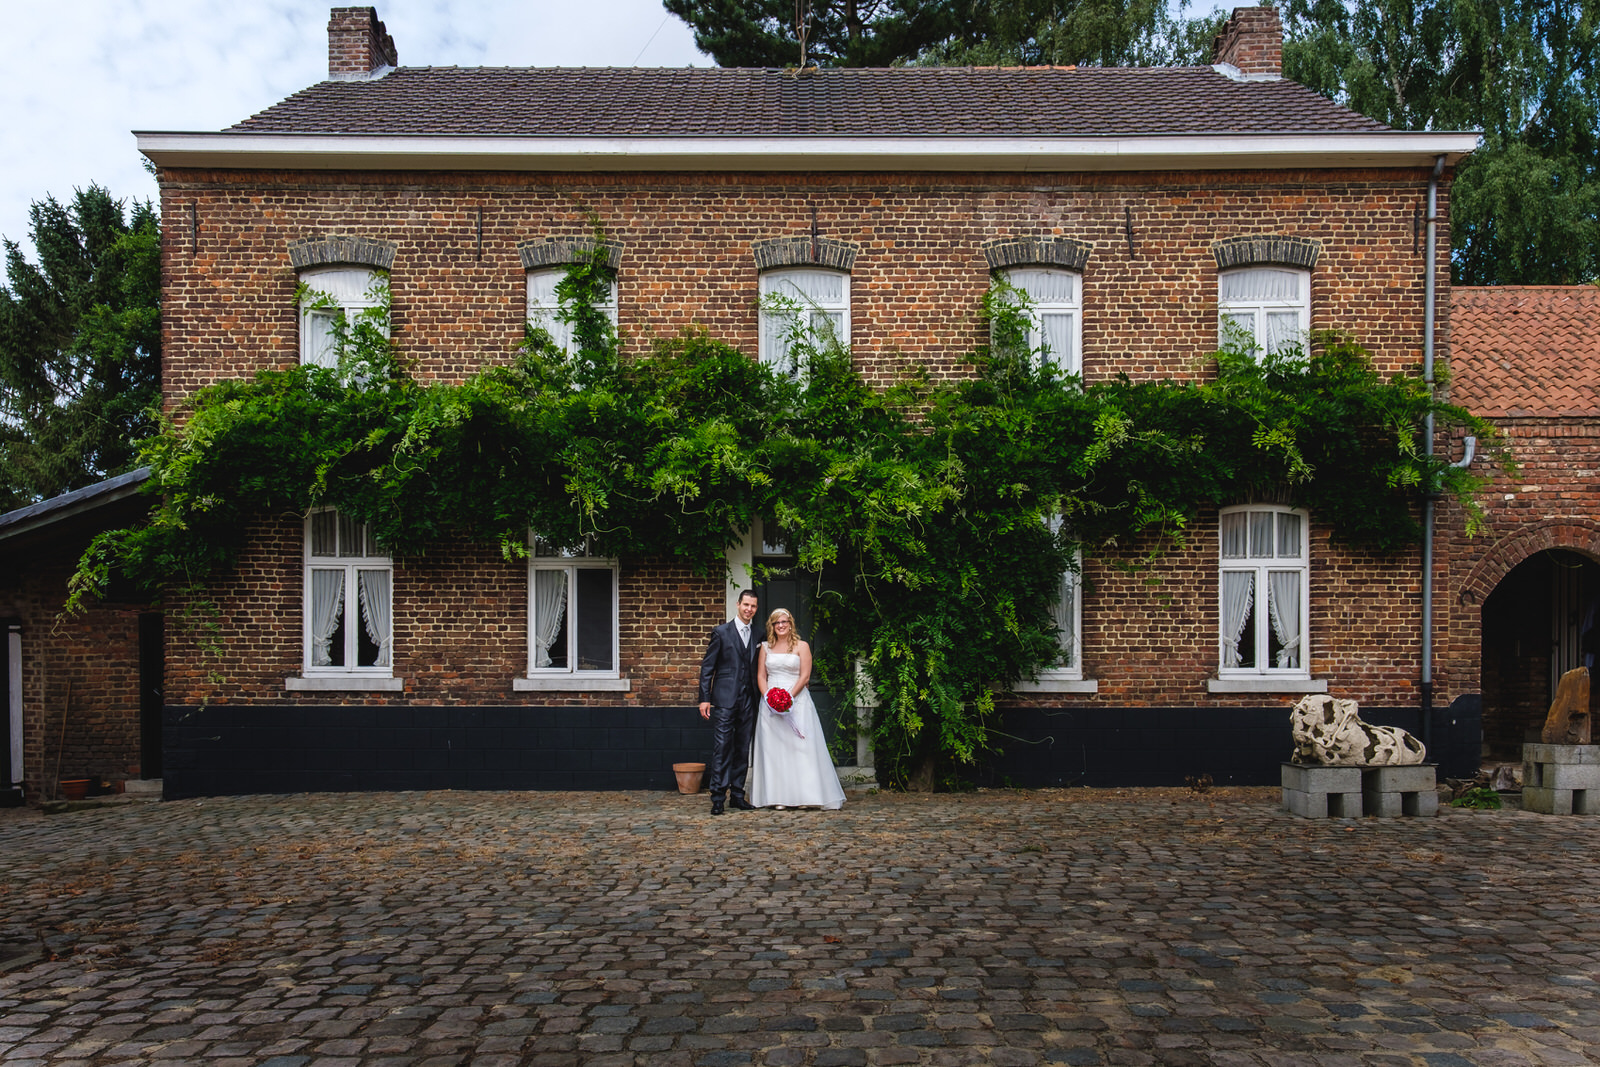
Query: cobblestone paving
{"points": [[1051, 927]]}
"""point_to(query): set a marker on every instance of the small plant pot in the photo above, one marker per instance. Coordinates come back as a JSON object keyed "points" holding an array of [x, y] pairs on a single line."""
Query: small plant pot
{"points": [[689, 777], [74, 788]]}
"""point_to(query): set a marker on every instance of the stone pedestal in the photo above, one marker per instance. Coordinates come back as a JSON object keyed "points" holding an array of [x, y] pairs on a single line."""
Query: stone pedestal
{"points": [[1561, 779], [1410, 790], [1314, 791]]}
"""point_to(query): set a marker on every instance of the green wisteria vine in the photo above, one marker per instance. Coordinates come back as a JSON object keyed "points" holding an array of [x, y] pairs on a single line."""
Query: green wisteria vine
{"points": [[935, 500]]}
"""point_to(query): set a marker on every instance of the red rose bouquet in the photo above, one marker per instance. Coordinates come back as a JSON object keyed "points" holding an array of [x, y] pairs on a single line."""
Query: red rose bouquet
{"points": [[779, 702]]}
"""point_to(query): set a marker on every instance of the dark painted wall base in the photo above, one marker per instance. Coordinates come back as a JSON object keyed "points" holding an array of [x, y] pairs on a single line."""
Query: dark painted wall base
{"points": [[1167, 746], [222, 750]]}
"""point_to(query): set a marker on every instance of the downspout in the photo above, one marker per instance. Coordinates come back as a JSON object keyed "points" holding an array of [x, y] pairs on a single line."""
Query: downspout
{"points": [[1429, 300]]}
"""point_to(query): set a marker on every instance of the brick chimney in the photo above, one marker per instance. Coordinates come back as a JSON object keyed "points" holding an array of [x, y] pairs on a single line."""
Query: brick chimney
{"points": [[1252, 41], [358, 45]]}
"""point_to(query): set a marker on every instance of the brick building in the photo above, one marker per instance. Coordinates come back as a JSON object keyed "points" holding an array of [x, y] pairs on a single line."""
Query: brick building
{"points": [[1141, 208], [1526, 592], [83, 694]]}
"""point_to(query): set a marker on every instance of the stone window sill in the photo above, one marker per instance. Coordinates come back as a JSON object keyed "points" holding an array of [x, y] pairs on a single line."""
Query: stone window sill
{"points": [[1267, 685], [1046, 684], [354, 683], [570, 683]]}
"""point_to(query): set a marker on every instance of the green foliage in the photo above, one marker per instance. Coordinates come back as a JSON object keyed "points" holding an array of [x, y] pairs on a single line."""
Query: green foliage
{"points": [[883, 33], [1526, 205], [80, 346], [953, 509], [1480, 797]]}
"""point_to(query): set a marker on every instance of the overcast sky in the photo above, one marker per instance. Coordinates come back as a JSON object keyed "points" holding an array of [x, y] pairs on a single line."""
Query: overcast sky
{"points": [[80, 75]]}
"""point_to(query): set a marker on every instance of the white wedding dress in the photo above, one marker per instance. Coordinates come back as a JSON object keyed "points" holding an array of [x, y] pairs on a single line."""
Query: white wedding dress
{"points": [[785, 768]]}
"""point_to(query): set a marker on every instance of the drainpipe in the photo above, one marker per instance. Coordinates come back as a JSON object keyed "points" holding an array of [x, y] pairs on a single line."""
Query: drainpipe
{"points": [[1429, 287]]}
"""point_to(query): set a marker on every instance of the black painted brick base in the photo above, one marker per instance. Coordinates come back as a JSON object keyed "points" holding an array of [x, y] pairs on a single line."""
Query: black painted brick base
{"points": [[224, 749]]}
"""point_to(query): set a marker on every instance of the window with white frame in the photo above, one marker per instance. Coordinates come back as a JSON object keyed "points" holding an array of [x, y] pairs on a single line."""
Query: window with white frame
{"points": [[802, 305], [1264, 309], [572, 611], [333, 296], [1265, 588], [1055, 325], [1067, 609], [544, 305], [349, 598]]}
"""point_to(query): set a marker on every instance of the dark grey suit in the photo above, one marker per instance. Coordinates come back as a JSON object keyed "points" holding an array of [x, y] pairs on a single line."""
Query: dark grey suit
{"points": [[728, 684]]}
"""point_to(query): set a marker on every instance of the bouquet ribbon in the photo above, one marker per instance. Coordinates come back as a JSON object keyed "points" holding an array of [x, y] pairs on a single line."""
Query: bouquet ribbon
{"points": [[779, 702]]}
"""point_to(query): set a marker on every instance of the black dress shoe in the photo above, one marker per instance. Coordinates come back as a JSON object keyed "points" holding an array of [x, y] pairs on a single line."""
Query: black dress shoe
{"points": [[741, 804], [716, 806]]}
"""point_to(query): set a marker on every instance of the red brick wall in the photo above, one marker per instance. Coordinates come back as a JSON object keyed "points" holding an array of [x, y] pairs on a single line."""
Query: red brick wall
{"points": [[1149, 310], [1552, 502], [80, 680]]}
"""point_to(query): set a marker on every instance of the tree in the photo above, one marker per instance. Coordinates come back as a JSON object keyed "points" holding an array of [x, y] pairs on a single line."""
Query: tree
{"points": [[80, 345], [1526, 204], [1098, 33], [840, 33], [881, 33]]}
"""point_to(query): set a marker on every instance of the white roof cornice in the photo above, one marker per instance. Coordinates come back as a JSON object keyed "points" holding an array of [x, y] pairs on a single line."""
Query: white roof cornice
{"points": [[271, 151]]}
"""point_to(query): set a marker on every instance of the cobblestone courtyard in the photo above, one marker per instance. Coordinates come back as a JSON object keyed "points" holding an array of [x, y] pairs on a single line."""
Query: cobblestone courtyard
{"points": [[1075, 927]]}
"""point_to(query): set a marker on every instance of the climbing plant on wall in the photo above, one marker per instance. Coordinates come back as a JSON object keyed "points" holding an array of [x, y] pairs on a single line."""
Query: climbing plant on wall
{"points": [[953, 507]]}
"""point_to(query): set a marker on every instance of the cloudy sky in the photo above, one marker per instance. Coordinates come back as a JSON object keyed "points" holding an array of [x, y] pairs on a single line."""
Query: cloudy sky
{"points": [[80, 75]]}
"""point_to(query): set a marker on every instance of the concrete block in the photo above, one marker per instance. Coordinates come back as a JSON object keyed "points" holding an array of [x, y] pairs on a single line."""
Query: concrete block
{"points": [[1581, 755], [1407, 779], [1322, 805], [1547, 801], [1396, 792], [1312, 791], [1315, 778]]}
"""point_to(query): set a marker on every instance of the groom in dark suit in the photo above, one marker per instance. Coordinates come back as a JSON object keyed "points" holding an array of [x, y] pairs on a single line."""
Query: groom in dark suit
{"points": [[728, 702]]}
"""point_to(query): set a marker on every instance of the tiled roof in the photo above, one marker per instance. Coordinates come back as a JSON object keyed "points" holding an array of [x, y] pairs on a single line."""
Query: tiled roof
{"points": [[1526, 350], [854, 102]]}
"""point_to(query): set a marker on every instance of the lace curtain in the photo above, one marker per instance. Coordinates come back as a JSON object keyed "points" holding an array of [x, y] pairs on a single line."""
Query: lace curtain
{"points": [[1283, 605], [1064, 612], [1238, 596], [376, 606], [549, 612], [327, 608]]}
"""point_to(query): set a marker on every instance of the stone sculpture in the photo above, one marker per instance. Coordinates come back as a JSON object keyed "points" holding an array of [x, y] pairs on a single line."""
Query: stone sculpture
{"points": [[1568, 721], [1330, 732]]}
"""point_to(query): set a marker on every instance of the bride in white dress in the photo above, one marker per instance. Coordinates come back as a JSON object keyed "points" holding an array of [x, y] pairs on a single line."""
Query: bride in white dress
{"points": [[790, 766]]}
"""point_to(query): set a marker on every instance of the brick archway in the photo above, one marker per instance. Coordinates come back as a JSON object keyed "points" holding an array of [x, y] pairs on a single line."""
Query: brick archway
{"points": [[1575, 535]]}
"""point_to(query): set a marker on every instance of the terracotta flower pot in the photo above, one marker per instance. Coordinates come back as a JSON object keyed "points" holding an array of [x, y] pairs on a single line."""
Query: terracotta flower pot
{"points": [[74, 788], [689, 776]]}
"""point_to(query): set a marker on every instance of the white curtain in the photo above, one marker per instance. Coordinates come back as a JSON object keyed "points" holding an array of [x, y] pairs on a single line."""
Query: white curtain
{"points": [[549, 611], [1235, 533], [318, 327], [377, 599], [1238, 593], [327, 602], [1260, 286], [1283, 604], [1064, 613]]}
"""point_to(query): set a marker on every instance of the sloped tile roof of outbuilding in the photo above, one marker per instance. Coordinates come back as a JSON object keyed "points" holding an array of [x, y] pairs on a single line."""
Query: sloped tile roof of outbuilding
{"points": [[1526, 350], [736, 102]]}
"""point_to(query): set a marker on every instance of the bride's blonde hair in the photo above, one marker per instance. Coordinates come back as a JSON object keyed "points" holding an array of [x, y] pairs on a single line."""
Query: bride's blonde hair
{"points": [[794, 631]]}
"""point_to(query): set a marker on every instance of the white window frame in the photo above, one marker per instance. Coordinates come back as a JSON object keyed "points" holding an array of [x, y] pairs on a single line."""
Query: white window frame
{"points": [[1066, 677], [1264, 553], [800, 287], [350, 559], [353, 290], [1251, 319], [544, 306], [546, 557], [1031, 280]]}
